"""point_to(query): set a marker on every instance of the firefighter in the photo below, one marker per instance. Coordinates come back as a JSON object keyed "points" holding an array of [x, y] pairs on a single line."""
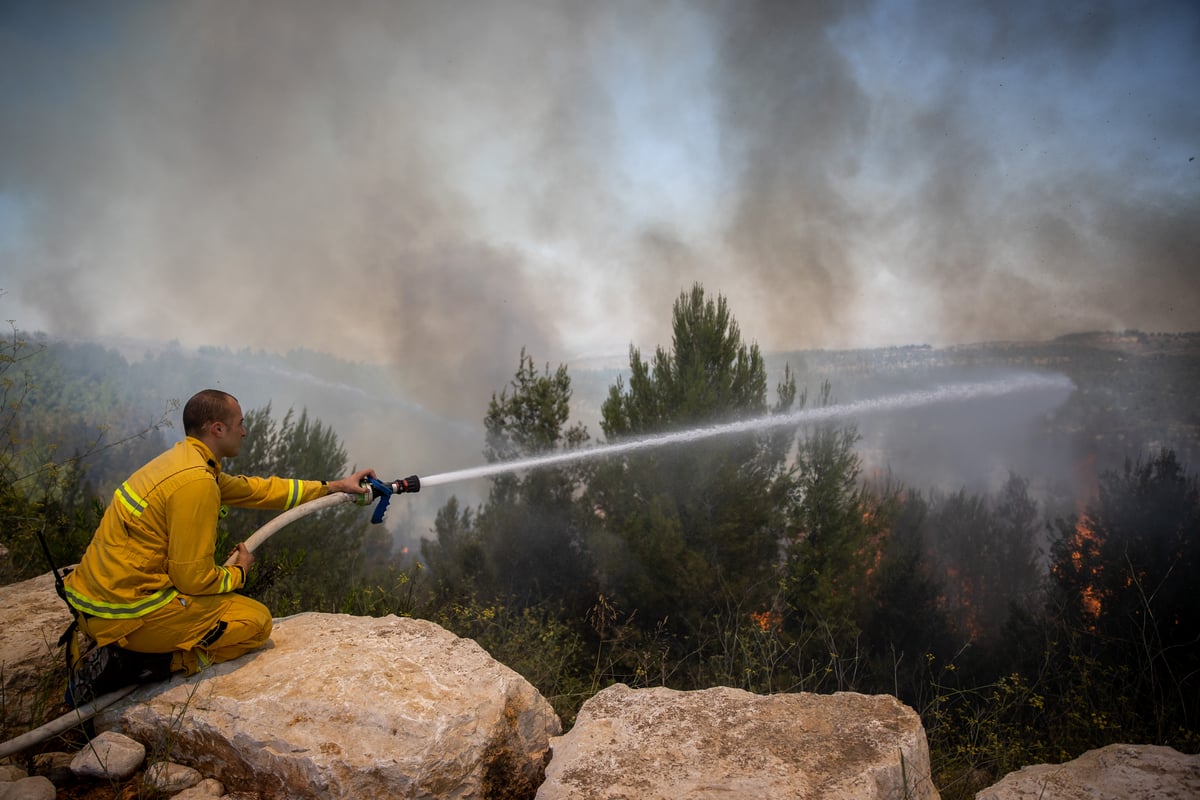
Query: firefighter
{"points": [[149, 582]]}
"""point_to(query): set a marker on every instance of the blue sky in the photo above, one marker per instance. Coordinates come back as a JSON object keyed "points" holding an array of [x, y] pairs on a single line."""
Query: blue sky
{"points": [[483, 176]]}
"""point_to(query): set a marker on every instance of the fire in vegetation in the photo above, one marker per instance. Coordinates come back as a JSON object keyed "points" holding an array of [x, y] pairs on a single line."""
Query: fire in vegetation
{"points": [[767, 621], [1085, 566], [1083, 544]]}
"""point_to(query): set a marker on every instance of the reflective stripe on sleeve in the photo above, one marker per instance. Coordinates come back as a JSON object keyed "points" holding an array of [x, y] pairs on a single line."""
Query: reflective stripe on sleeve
{"points": [[294, 494], [129, 498]]}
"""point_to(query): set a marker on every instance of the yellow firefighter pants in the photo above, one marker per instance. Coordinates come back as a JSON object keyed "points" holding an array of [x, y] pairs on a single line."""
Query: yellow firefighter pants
{"points": [[179, 627]]}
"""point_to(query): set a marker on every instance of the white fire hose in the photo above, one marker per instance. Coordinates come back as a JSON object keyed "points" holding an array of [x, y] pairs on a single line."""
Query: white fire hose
{"points": [[291, 515]]}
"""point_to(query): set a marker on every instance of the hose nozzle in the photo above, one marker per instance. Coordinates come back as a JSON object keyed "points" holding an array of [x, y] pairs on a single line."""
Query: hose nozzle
{"points": [[384, 492]]}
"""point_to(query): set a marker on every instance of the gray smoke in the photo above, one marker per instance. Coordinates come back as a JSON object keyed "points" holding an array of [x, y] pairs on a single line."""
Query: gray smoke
{"points": [[436, 185]]}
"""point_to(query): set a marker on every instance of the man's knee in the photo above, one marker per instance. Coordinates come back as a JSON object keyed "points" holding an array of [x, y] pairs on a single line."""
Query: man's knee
{"points": [[254, 616], [264, 623]]}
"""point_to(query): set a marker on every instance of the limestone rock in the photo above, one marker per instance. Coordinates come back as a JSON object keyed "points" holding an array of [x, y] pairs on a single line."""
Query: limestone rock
{"points": [[33, 671], [109, 755], [169, 777], [1116, 772], [341, 706], [207, 789], [35, 788], [719, 743], [11, 772]]}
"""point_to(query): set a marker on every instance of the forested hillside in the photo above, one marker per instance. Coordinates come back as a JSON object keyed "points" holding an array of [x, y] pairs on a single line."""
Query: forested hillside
{"points": [[1018, 574]]}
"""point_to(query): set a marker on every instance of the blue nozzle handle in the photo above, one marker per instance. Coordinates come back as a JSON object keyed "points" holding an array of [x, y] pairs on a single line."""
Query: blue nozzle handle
{"points": [[384, 492]]}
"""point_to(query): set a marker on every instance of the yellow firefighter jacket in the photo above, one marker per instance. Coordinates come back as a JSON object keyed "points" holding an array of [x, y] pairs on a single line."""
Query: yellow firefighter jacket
{"points": [[157, 537]]}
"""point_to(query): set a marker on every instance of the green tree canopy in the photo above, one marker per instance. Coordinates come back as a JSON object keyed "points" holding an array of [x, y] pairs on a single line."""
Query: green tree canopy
{"points": [[526, 543], [686, 529], [834, 535]]}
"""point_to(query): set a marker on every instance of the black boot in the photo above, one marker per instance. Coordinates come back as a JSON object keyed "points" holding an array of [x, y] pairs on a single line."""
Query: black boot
{"points": [[106, 669]]}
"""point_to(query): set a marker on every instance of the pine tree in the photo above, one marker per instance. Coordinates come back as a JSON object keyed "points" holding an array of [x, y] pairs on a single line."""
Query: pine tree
{"points": [[691, 528], [525, 545], [455, 556], [836, 535]]}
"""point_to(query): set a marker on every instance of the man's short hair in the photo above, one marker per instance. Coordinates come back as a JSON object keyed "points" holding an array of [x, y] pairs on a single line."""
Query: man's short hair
{"points": [[208, 405]]}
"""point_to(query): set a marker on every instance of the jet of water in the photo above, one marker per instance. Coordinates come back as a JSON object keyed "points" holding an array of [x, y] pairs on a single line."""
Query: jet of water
{"points": [[950, 393]]}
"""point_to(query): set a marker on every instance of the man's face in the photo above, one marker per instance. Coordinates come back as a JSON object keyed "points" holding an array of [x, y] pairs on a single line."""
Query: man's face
{"points": [[227, 436]]}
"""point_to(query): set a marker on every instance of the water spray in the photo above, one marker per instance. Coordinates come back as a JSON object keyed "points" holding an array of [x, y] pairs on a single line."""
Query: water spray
{"points": [[944, 394]]}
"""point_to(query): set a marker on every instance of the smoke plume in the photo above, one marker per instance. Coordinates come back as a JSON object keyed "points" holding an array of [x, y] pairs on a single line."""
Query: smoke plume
{"points": [[435, 186]]}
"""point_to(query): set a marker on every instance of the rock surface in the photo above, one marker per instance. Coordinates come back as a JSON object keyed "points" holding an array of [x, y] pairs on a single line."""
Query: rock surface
{"points": [[207, 789], [110, 755], [35, 788], [170, 778], [1116, 772], [30, 664], [341, 706], [720, 743]]}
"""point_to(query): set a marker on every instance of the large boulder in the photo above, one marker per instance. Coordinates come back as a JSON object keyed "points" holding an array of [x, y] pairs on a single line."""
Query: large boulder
{"points": [[31, 667], [663, 744], [1116, 772], [341, 706]]}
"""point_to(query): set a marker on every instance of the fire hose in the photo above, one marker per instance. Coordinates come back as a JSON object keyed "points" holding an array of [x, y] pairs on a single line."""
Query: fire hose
{"points": [[377, 490]]}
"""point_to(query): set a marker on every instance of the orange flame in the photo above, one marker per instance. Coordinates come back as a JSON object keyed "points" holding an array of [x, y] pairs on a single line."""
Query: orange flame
{"points": [[767, 621], [1085, 544], [1085, 551]]}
